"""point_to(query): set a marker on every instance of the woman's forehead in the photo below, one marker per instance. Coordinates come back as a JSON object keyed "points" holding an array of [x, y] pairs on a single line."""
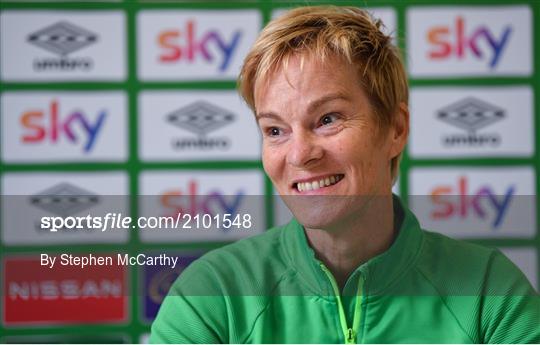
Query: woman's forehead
{"points": [[301, 70], [306, 76]]}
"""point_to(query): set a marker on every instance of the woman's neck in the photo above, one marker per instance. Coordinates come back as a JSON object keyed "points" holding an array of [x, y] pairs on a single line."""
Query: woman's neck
{"points": [[345, 246]]}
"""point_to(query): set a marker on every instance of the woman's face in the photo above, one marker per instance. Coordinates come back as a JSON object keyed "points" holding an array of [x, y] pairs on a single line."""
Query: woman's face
{"points": [[320, 140]]}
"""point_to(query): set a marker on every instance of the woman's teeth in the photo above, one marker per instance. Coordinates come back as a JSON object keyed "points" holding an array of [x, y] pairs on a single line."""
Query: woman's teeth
{"points": [[314, 185]]}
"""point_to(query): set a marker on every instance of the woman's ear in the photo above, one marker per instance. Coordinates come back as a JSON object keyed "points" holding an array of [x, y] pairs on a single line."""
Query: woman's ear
{"points": [[400, 130]]}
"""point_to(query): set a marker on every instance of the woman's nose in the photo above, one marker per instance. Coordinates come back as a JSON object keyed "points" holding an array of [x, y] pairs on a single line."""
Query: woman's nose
{"points": [[305, 149]]}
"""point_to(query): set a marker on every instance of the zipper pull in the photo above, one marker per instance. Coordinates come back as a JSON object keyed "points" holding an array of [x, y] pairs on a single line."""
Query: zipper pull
{"points": [[350, 336]]}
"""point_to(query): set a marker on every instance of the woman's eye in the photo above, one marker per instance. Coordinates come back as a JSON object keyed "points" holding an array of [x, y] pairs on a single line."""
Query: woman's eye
{"points": [[328, 119], [273, 131]]}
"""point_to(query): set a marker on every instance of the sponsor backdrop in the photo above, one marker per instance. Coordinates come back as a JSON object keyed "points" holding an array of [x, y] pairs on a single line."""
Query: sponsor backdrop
{"points": [[130, 107]]}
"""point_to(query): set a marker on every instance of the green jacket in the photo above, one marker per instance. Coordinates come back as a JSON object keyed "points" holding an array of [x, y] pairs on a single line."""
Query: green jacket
{"points": [[426, 288]]}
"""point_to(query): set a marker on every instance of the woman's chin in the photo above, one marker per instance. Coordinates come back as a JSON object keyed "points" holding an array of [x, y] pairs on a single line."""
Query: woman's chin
{"points": [[318, 212]]}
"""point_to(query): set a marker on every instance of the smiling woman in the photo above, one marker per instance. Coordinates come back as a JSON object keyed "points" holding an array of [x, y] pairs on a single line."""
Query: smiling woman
{"points": [[329, 93], [317, 125]]}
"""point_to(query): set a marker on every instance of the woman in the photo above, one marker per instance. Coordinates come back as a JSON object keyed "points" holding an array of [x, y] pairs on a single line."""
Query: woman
{"points": [[329, 93]]}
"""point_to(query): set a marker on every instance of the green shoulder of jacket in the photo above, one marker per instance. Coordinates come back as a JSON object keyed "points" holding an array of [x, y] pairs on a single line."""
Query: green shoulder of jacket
{"points": [[426, 288]]}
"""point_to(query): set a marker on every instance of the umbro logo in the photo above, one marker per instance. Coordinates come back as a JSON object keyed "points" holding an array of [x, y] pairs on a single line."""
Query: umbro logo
{"points": [[201, 118], [64, 199], [62, 38], [471, 114]]}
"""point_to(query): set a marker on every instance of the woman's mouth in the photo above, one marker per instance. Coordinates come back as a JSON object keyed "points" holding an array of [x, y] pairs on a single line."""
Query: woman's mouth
{"points": [[318, 183]]}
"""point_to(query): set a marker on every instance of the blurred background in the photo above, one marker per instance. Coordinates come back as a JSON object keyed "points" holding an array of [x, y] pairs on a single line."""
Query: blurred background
{"points": [[130, 107]]}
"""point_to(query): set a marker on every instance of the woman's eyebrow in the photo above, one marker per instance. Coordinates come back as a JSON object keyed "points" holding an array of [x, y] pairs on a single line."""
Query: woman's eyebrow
{"points": [[270, 115], [311, 107], [326, 98]]}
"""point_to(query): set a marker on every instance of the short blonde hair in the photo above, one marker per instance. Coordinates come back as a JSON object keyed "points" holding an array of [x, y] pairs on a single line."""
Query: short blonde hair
{"points": [[321, 31]]}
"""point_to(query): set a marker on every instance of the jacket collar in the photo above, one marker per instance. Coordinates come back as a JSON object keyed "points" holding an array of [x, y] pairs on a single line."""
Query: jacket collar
{"points": [[378, 273]]}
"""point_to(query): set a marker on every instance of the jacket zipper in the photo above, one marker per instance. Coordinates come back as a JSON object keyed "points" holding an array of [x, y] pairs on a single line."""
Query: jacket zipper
{"points": [[349, 333]]}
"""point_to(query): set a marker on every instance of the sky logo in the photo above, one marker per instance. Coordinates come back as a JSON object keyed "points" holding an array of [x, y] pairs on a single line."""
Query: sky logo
{"points": [[457, 201], [186, 45], [42, 125], [481, 42], [193, 203]]}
